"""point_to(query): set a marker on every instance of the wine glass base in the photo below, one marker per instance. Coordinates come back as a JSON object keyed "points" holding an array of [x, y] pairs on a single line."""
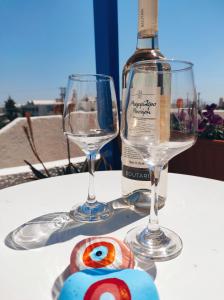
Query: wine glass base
{"points": [[162, 245], [88, 213]]}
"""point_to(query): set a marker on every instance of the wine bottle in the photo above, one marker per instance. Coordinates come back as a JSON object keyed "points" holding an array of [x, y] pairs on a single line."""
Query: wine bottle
{"points": [[135, 174]]}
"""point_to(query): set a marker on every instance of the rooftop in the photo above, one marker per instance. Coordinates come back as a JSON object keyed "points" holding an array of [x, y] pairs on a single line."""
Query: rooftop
{"points": [[49, 139]]}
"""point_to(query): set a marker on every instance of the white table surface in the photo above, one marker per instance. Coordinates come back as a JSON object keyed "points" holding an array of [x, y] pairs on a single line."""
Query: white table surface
{"points": [[194, 209]]}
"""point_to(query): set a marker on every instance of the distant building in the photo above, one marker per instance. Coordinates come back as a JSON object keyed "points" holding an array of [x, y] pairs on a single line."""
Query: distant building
{"points": [[221, 102], [42, 107], [29, 109], [88, 104], [1, 110]]}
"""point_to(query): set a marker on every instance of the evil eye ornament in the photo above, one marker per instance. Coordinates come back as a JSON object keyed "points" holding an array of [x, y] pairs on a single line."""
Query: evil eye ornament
{"points": [[101, 252], [104, 284]]}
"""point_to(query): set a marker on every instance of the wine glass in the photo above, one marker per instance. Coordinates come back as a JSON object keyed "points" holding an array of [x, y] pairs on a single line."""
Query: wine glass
{"points": [[90, 120], [159, 120]]}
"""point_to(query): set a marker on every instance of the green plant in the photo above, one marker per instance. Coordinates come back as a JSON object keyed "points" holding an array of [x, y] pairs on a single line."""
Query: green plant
{"points": [[11, 109]]}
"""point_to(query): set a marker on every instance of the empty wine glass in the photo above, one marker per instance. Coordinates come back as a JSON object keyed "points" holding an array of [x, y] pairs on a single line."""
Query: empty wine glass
{"points": [[90, 120], [159, 120]]}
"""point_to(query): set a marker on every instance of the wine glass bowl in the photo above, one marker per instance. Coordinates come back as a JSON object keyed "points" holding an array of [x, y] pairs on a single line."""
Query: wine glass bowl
{"points": [[159, 120], [90, 120]]}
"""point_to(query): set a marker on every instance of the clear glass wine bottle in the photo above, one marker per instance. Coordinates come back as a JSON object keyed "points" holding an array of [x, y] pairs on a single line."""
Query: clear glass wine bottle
{"points": [[135, 174]]}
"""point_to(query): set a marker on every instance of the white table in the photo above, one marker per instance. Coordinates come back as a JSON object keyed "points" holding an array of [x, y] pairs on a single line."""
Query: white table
{"points": [[194, 209]]}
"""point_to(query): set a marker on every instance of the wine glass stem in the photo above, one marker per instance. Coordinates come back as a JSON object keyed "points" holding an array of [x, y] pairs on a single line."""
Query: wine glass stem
{"points": [[91, 166], [153, 224]]}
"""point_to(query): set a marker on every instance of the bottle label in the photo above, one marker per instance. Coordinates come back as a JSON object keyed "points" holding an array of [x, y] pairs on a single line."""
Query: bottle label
{"points": [[145, 110], [148, 18], [136, 173], [145, 113]]}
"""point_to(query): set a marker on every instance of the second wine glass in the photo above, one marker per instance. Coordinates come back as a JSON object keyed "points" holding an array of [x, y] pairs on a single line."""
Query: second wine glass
{"points": [[90, 120], [159, 120]]}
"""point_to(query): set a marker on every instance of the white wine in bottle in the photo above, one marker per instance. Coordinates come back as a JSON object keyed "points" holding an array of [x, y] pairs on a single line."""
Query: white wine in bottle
{"points": [[135, 174]]}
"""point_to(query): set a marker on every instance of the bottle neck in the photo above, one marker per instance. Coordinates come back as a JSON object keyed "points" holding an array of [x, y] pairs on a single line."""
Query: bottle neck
{"points": [[148, 42], [147, 24]]}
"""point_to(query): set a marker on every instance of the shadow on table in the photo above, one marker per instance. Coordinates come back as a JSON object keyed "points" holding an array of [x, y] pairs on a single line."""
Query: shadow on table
{"points": [[59, 282], [59, 227]]}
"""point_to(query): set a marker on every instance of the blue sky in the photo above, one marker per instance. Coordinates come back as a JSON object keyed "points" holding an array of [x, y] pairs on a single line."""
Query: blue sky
{"points": [[43, 41]]}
